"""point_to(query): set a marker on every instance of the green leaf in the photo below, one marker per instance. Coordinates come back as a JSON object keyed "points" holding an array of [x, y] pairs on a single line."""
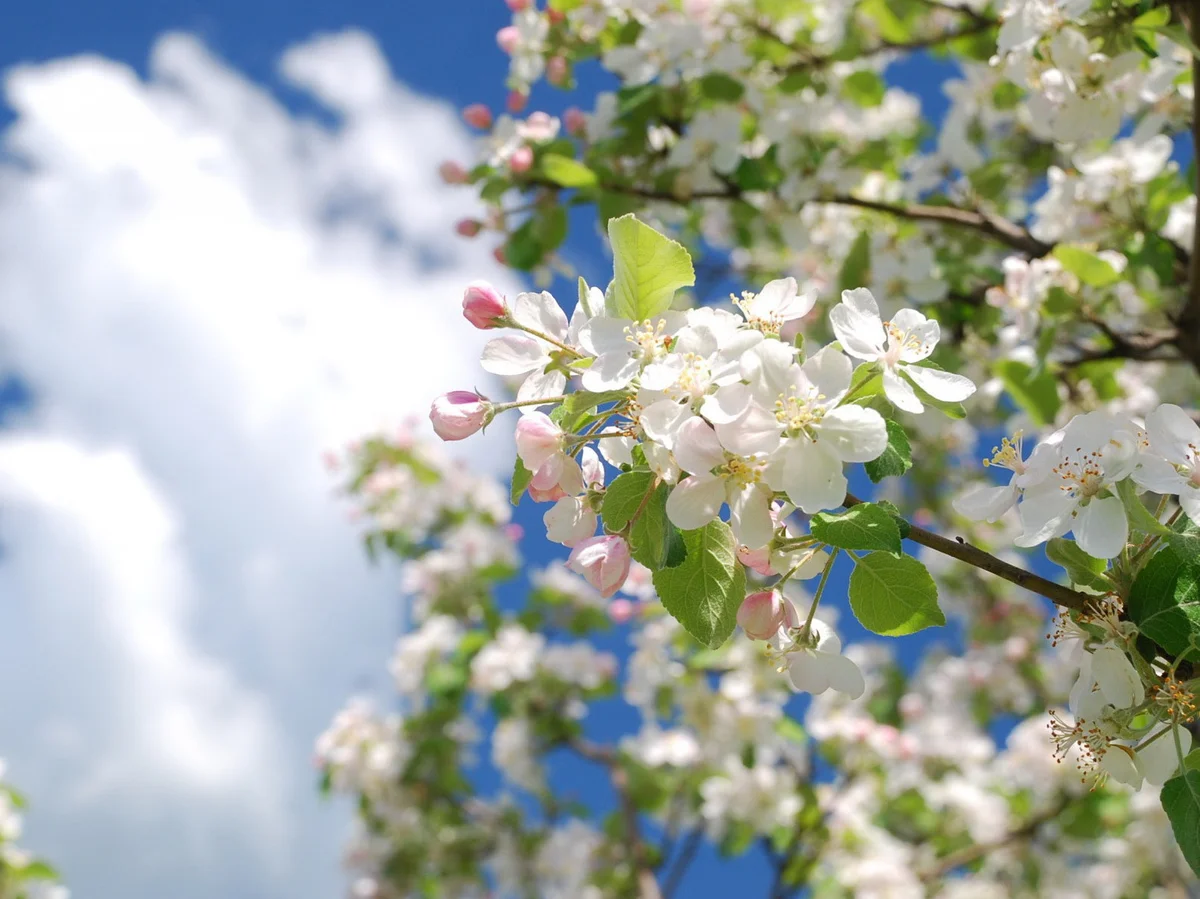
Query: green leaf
{"points": [[567, 172], [1178, 34], [648, 268], [901, 522], [1164, 601], [893, 595], [719, 86], [624, 496], [857, 264], [865, 383], [896, 459], [1034, 392], [654, 540], [704, 592], [865, 88], [1192, 762], [520, 480], [1181, 802], [1140, 518], [524, 248], [1155, 18], [586, 401], [1086, 266], [1082, 569], [864, 526]]}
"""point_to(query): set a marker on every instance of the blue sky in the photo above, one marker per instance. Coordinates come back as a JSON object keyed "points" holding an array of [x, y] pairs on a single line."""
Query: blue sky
{"points": [[278, 680]]}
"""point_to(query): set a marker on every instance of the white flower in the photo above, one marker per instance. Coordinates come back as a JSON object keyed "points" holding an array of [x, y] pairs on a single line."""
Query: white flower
{"points": [[897, 345], [1071, 489], [987, 503], [1158, 757], [623, 348], [716, 478], [1172, 467], [522, 354], [778, 303], [1115, 676], [792, 416], [815, 662]]}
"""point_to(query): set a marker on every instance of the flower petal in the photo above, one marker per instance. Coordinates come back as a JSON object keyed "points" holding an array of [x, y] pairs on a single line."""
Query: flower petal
{"points": [[612, 371], [695, 502], [697, 449], [900, 393], [854, 433], [982, 503], [1173, 434], [1101, 528], [844, 675], [857, 324], [513, 354], [755, 431], [541, 312], [750, 515], [812, 476], [941, 385]]}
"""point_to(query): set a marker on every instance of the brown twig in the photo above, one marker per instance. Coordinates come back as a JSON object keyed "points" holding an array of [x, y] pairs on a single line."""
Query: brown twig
{"points": [[977, 851], [973, 555]]}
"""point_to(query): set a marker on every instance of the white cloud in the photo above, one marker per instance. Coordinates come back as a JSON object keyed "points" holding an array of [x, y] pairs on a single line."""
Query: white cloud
{"points": [[203, 291]]}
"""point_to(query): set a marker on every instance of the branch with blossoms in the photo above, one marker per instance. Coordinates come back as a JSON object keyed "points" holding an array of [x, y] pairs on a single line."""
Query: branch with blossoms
{"points": [[723, 434], [22, 874]]}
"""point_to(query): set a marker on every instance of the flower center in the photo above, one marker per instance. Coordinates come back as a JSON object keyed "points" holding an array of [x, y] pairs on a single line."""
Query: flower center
{"points": [[1008, 454], [898, 342], [1082, 475], [741, 471], [693, 380], [799, 415], [647, 339], [768, 324]]}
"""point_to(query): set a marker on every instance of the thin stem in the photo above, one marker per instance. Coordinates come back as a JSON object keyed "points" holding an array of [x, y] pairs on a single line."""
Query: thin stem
{"points": [[812, 611], [546, 337], [679, 867], [973, 555], [541, 401]]}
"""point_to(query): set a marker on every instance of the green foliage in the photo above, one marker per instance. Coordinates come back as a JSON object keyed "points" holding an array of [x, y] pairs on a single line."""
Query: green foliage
{"points": [[567, 172], [893, 595], [1164, 601], [1034, 391], [896, 459], [624, 496], [856, 266], [1181, 801], [520, 481], [1083, 570], [865, 526], [704, 591], [653, 540], [1086, 266], [648, 268], [866, 88]]}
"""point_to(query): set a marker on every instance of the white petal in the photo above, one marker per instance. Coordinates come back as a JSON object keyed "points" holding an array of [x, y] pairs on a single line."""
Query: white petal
{"points": [[755, 431], [1157, 474], [611, 371], [900, 393], [1118, 764], [726, 404], [1173, 434], [605, 335], [1190, 501], [617, 451], [1044, 514], [941, 385], [695, 502], [661, 421], [541, 312], [830, 372], [538, 385], [807, 673], [844, 675], [855, 433], [1160, 760], [661, 375], [513, 354], [812, 477], [921, 335], [697, 449], [773, 297], [1117, 678], [750, 515], [1101, 528], [982, 503], [857, 324]]}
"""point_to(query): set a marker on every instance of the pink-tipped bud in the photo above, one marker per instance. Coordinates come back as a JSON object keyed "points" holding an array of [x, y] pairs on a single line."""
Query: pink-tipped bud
{"points": [[500, 256], [521, 160], [518, 5], [570, 521], [483, 306], [459, 414], [761, 615], [558, 72], [621, 610], [477, 116], [508, 38], [453, 172], [603, 562], [516, 101], [538, 438], [575, 120], [758, 560], [556, 16], [468, 227]]}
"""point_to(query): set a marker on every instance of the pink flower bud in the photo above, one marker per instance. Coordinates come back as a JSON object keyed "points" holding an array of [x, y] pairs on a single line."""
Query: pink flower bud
{"points": [[516, 101], [538, 438], [468, 227], [603, 562], [521, 160], [551, 494], [453, 173], [758, 560], [621, 610], [556, 16], [592, 468], [761, 615], [518, 5], [558, 72], [483, 306], [500, 256], [508, 38], [576, 121], [459, 414], [569, 521], [478, 116]]}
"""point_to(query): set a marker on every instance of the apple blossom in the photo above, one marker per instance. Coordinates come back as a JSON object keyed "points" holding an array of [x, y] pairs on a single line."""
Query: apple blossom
{"points": [[478, 116], [459, 414], [1172, 464], [603, 561], [483, 306], [762, 614]]}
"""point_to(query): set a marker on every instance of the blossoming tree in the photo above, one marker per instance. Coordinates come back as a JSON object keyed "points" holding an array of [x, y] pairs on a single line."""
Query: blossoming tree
{"points": [[1025, 264]]}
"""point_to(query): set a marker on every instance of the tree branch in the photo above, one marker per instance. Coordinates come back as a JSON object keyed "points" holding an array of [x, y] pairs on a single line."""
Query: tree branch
{"points": [[978, 25], [977, 851], [1189, 318], [687, 852], [603, 755], [973, 555]]}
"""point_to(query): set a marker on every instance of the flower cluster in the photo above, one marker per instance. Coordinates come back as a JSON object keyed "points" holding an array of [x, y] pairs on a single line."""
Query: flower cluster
{"points": [[22, 875]]}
